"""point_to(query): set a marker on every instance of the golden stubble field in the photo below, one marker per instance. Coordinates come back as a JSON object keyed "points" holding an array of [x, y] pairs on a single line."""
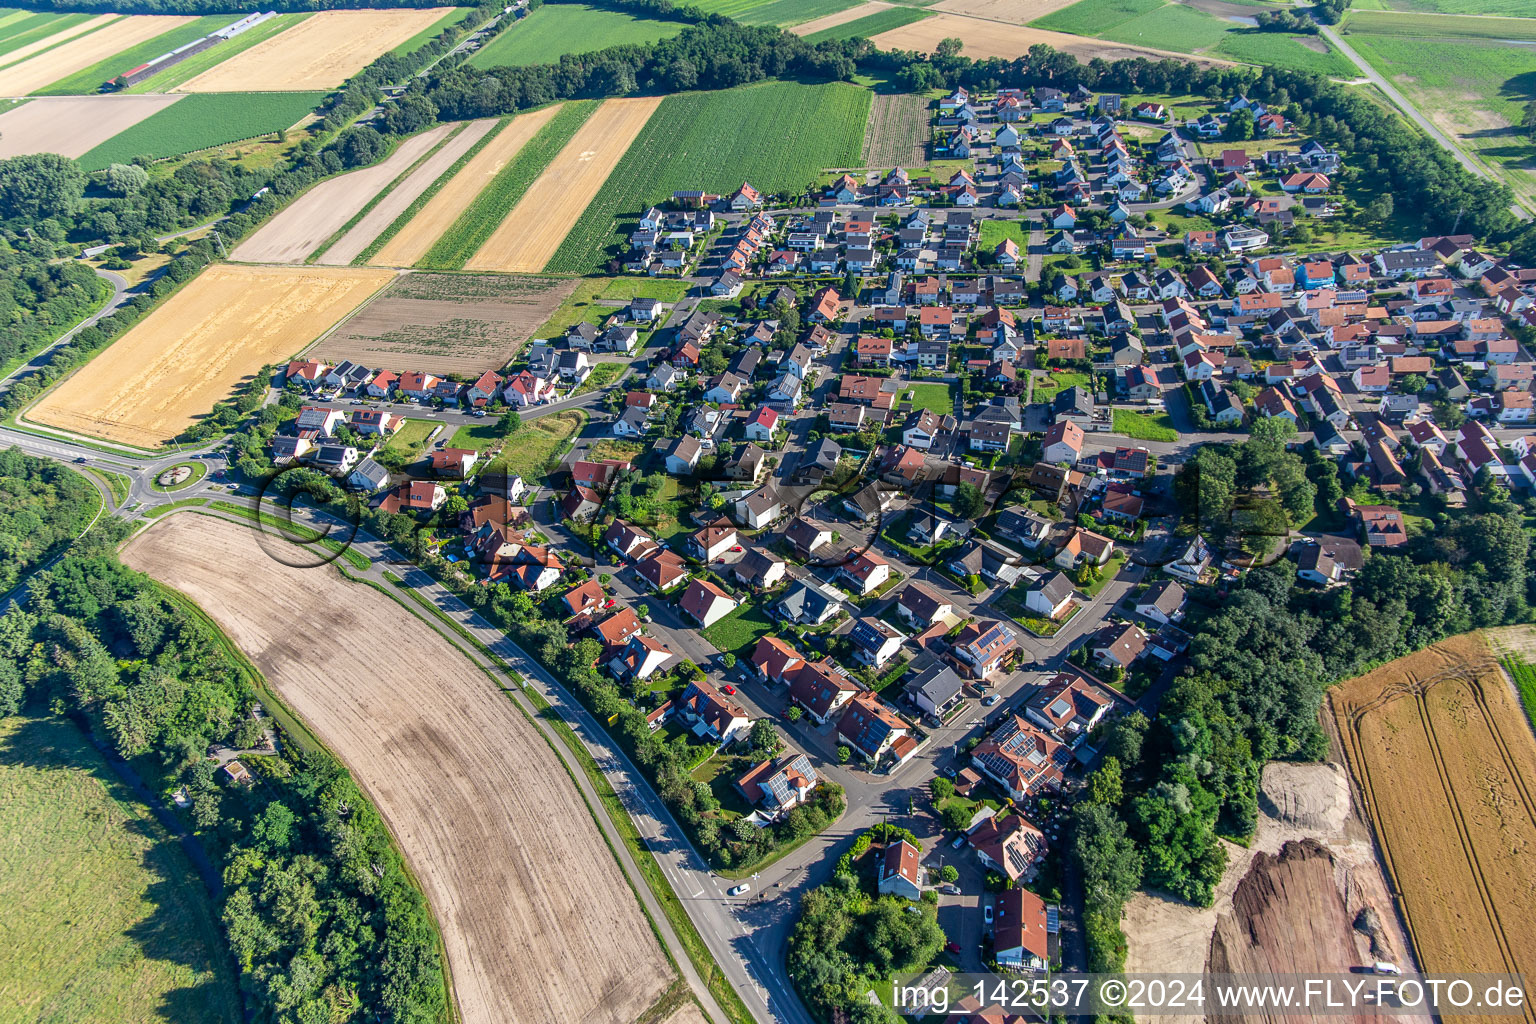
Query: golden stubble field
{"points": [[229, 322], [539, 924], [73, 125], [982, 38], [320, 52], [1445, 764], [529, 235], [325, 209], [438, 213], [80, 53]]}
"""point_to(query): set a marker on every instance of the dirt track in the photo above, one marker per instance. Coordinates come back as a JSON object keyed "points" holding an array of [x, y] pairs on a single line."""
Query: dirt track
{"points": [[438, 215], [322, 211], [349, 246], [229, 322], [982, 38], [1446, 766], [539, 925], [528, 237], [72, 125], [320, 52], [62, 61]]}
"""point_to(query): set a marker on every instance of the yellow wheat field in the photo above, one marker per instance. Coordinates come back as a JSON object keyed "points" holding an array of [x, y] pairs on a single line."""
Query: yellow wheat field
{"points": [[531, 233], [439, 213], [77, 55], [318, 53], [153, 382]]}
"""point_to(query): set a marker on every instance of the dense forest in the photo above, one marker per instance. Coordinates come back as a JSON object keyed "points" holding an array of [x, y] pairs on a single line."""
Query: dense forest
{"points": [[43, 506]]}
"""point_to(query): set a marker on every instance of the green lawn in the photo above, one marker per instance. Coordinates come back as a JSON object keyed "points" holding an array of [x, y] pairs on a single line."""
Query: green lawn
{"points": [[935, 397], [774, 12], [603, 374], [1145, 427], [993, 232], [556, 29], [715, 141], [199, 470], [202, 121], [739, 631], [105, 918], [478, 436], [663, 289], [870, 25], [1047, 387], [91, 79], [536, 442], [411, 436], [215, 55], [595, 299]]}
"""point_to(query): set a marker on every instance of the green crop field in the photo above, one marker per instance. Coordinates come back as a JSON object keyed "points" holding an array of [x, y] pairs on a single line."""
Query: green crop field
{"points": [[1091, 17], [1524, 676], [105, 918], [715, 141], [421, 38], [1382, 23], [201, 121], [870, 25], [1510, 8], [91, 79], [556, 29], [1473, 89], [495, 201], [23, 28], [196, 64], [1276, 49], [775, 12]]}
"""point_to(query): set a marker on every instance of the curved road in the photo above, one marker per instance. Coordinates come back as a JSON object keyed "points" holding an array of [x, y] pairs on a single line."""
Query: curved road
{"points": [[120, 295]]}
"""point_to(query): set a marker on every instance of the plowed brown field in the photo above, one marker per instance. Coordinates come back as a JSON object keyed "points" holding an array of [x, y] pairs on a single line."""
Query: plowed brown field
{"points": [[539, 924], [1446, 766], [531, 233], [62, 61], [438, 215], [320, 52], [72, 125], [322, 211], [151, 383]]}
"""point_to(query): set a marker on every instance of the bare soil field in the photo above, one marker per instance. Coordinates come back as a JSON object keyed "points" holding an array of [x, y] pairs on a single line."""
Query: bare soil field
{"points": [[1014, 12], [982, 38], [688, 1013], [153, 382], [62, 61], [837, 18], [1297, 802], [320, 52], [539, 924], [447, 323], [322, 211], [534, 229], [351, 245], [1446, 768], [72, 125], [438, 215], [21, 53], [896, 134]]}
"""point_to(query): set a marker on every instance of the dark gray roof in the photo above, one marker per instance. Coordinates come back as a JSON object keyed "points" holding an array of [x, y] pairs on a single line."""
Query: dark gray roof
{"points": [[939, 684]]}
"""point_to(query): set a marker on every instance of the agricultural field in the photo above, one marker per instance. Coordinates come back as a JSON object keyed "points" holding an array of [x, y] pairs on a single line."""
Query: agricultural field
{"points": [[105, 919], [412, 192], [90, 79], [528, 236], [775, 12], [536, 442], [713, 141], [427, 34], [196, 64], [863, 10], [539, 924], [483, 221], [870, 26], [320, 52], [1446, 767], [416, 237], [556, 29], [47, 66], [73, 125], [1509, 8], [23, 33], [447, 323], [325, 209], [1016, 12], [980, 39], [1472, 88], [192, 351], [202, 122]]}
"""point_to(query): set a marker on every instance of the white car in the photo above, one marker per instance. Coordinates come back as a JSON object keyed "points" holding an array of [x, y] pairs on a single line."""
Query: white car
{"points": [[986, 913], [739, 890]]}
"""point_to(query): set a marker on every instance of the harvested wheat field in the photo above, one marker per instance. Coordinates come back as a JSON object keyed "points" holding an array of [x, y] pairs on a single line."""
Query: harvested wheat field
{"points": [[72, 125], [539, 924], [1014, 12], [981, 38], [837, 18], [154, 381], [62, 61], [361, 235], [530, 234], [21, 53], [447, 323], [1446, 768], [320, 52], [325, 209], [438, 215]]}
